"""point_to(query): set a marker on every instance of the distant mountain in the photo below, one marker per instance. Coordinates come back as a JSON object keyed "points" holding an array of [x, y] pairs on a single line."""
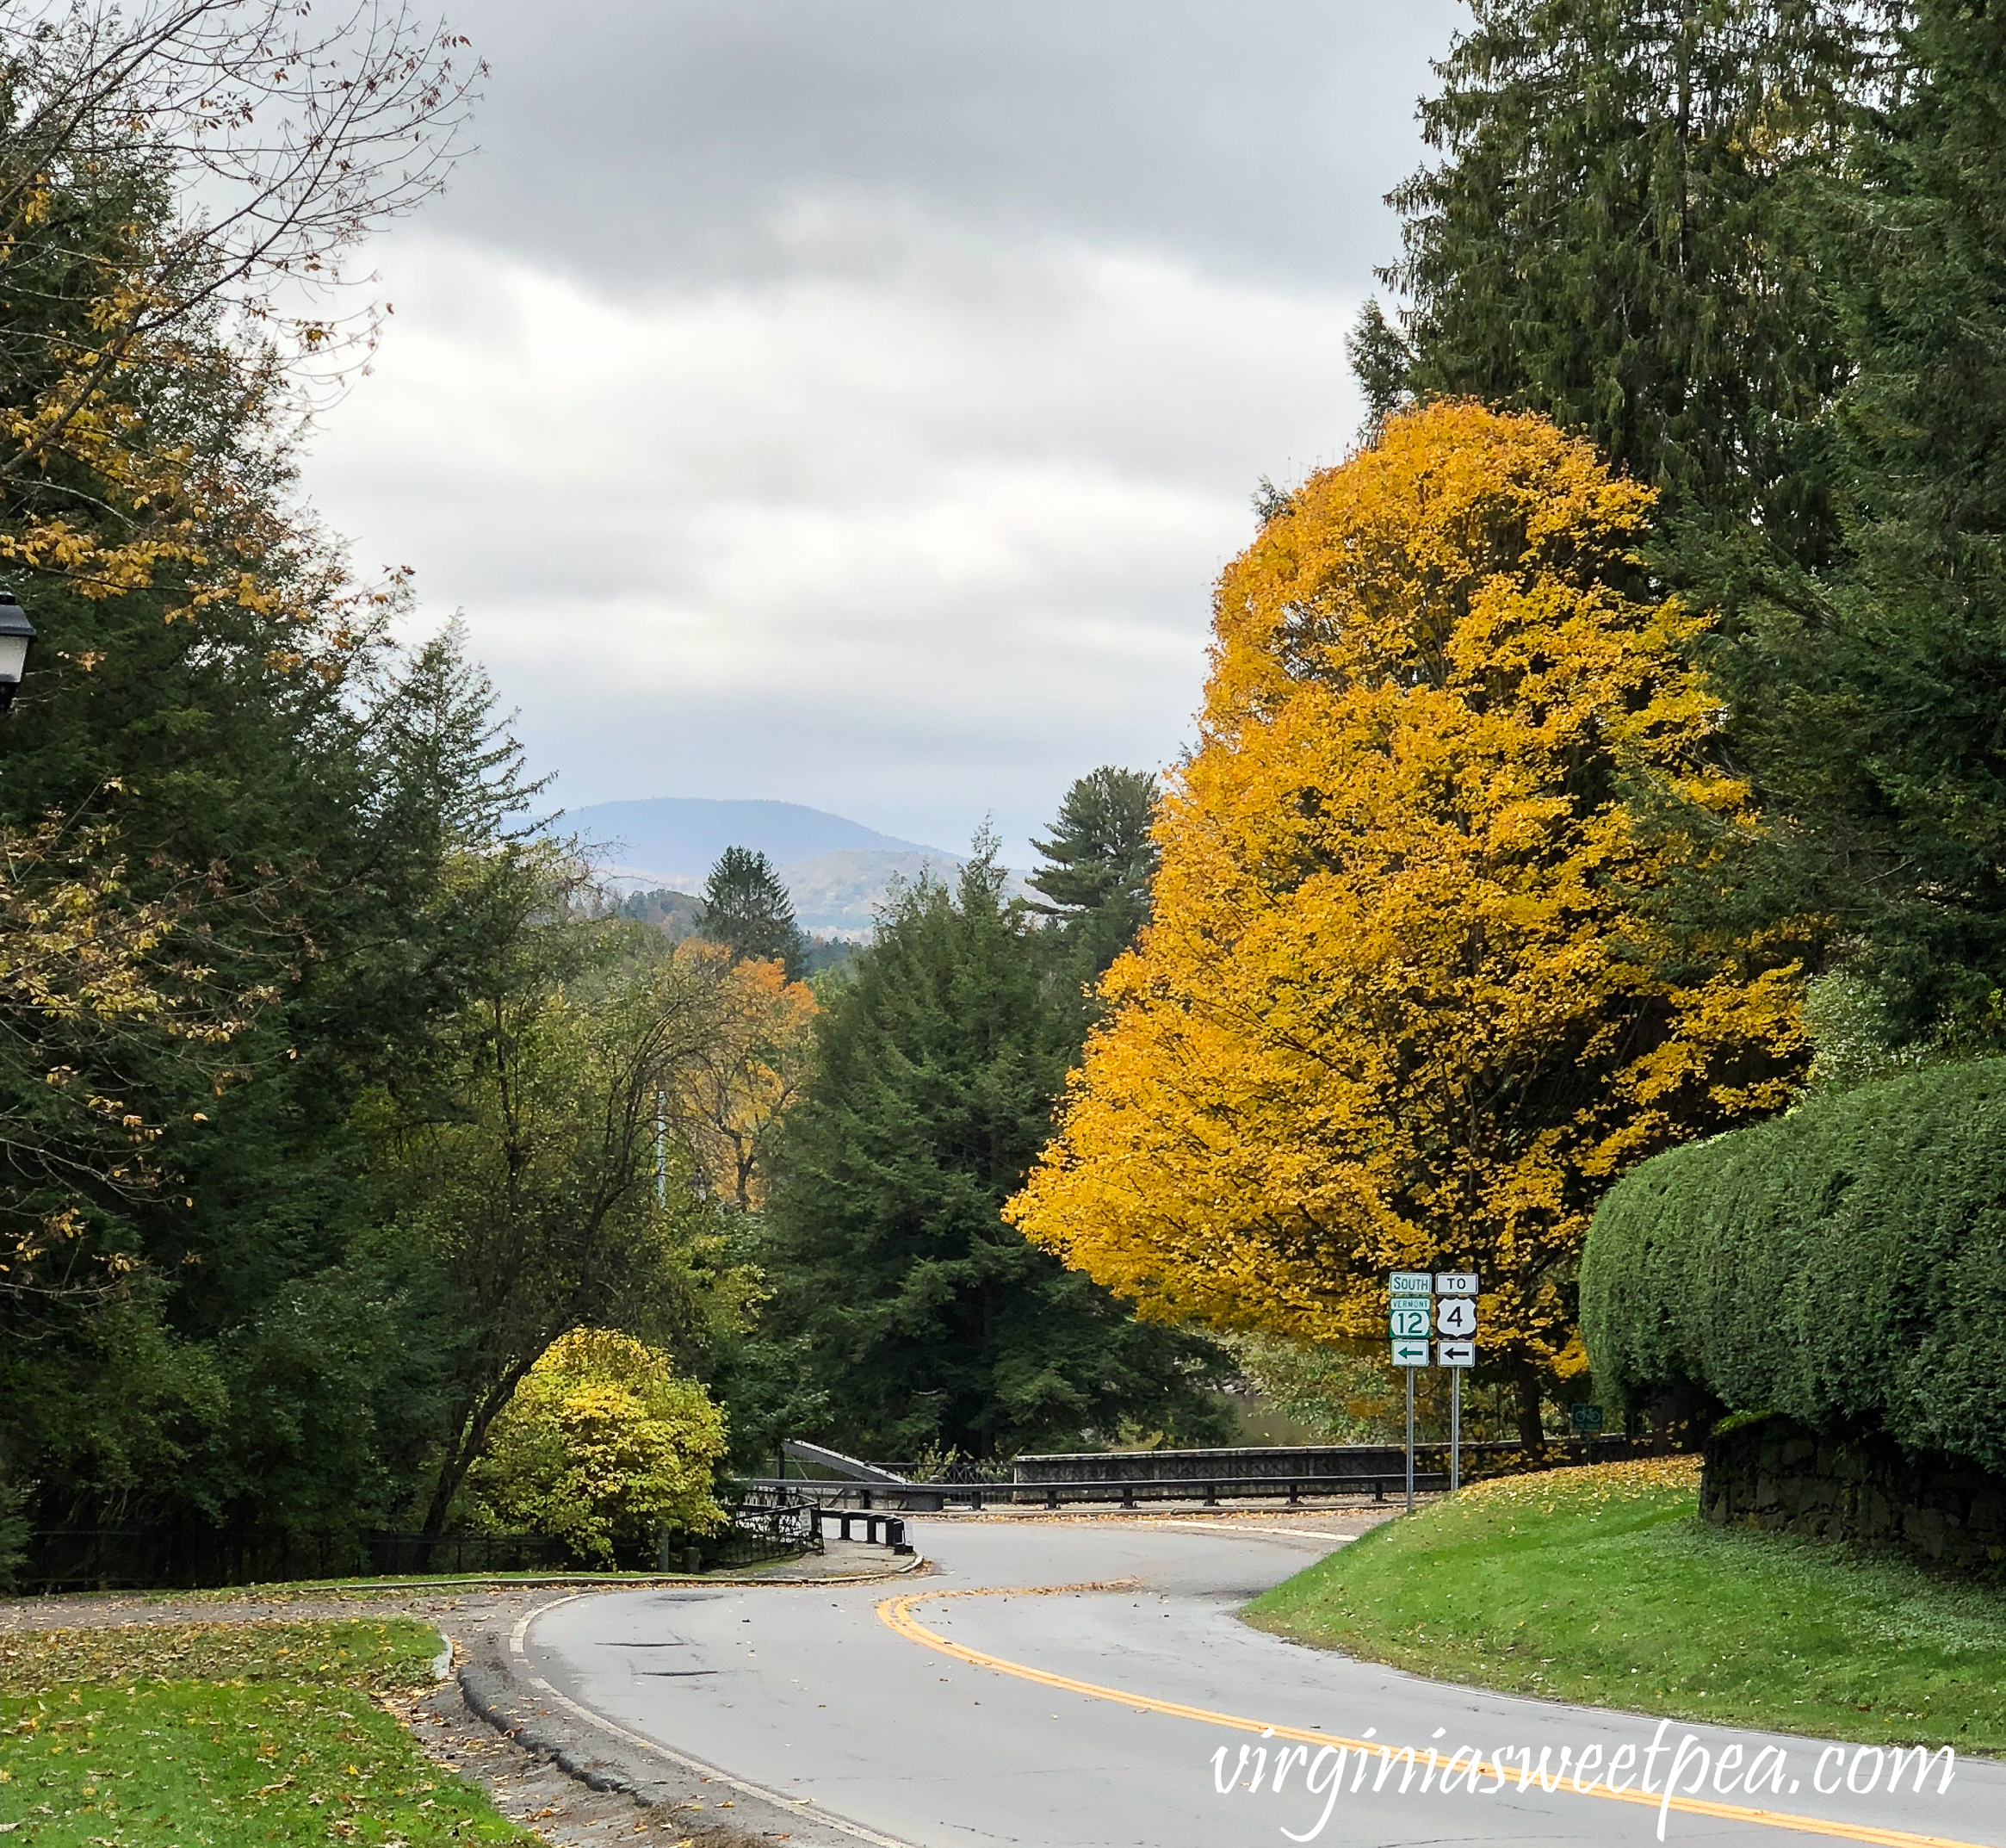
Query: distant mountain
{"points": [[842, 891], [674, 840], [836, 871]]}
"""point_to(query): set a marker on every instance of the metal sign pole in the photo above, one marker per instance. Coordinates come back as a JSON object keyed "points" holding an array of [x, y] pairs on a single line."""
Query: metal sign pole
{"points": [[1455, 1428], [1408, 1371]]}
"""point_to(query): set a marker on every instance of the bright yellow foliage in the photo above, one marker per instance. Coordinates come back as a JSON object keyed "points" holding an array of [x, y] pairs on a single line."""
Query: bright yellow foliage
{"points": [[1398, 1007], [604, 1445], [750, 1071]]}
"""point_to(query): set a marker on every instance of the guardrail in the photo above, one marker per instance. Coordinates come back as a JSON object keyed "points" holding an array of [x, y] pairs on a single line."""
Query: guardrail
{"points": [[1130, 1491], [764, 1528]]}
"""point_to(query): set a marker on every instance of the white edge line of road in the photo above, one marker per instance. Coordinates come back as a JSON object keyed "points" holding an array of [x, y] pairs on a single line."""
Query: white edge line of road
{"points": [[796, 1805], [1258, 1532]]}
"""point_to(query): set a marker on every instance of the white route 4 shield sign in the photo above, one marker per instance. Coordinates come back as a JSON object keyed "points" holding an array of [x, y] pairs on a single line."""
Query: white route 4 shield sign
{"points": [[1456, 1316]]}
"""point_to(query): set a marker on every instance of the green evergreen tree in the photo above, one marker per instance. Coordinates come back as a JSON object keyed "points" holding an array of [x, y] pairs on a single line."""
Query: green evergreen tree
{"points": [[746, 908], [215, 698], [923, 1319], [1608, 238], [1869, 696], [1094, 885]]}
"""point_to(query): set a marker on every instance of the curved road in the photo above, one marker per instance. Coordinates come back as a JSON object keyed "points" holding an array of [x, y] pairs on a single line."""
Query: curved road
{"points": [[1105, 1702]]}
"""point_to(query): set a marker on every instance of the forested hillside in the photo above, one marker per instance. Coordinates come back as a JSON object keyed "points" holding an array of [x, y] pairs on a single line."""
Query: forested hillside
{"points": [[1605, 753], [1608, 749], [340, 1096]]}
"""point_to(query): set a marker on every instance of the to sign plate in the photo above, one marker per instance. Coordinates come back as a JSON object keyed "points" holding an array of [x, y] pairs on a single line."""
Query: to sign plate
{"points": [[1456, 1353], [1456, 1316], [1412, 1282], [1455, 1283], [1410, 1354]]}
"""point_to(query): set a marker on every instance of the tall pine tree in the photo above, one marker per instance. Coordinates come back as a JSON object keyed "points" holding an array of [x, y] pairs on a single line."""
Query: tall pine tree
{"points": [[1094, 885], [923, 1317], [1869, 696], [1607, 239], [747, 909]]}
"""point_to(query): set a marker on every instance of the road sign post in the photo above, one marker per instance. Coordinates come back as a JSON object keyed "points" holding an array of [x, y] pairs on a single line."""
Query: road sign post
{"points": [[1410, 1439], [1456, 1322], [1410, 1317]]}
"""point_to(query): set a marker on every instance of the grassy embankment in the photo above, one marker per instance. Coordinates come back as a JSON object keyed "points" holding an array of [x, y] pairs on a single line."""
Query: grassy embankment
{"points": [[225, 1736], [1602, 1585]]}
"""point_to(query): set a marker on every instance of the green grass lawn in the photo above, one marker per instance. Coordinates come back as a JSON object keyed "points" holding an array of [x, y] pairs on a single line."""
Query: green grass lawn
{"points": [[223, 1736], [1603, 1585]]}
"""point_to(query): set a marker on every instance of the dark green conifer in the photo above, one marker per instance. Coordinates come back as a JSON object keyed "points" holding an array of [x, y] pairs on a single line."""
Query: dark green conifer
{"points": [[1099, 861], [746, 908], [1869, 697], [925, 1319], [1607, 239]]}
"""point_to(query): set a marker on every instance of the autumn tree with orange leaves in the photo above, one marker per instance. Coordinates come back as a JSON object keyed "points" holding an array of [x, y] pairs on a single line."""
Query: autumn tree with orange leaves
{"points": [[1400, 1006], [729, 1107]]}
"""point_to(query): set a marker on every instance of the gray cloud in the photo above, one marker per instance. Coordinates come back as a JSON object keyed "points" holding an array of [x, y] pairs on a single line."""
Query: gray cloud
{"points": [[852, 404], [686, 138]]}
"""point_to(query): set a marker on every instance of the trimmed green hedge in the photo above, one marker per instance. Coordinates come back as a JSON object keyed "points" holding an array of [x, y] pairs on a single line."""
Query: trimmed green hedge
{"points": [[1844, 1265]]}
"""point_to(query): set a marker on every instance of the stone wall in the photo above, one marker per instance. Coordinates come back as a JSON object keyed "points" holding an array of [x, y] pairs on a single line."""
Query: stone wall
{"points": [[1776, 1474]]}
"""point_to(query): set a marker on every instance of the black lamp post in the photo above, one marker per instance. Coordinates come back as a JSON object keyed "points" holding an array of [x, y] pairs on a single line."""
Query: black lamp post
{"points": [[16, 637]]}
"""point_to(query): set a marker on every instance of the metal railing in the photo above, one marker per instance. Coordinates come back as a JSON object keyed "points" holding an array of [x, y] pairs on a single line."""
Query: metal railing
{"points": [[106, 1558], [416, 1555], [765, 1527], [1130, 1491]]}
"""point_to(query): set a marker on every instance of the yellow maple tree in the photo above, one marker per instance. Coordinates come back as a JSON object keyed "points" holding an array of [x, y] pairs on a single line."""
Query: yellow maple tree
{"points": [[731, 1102], [1399, 1006]]}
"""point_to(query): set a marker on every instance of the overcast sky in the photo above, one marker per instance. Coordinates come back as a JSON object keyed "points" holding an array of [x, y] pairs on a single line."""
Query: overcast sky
{"points": [[851, 401]]}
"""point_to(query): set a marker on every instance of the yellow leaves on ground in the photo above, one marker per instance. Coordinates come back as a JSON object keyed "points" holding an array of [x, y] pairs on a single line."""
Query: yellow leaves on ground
{"points": [[1581, 1491], [358, 1654], [1399, 1006]]}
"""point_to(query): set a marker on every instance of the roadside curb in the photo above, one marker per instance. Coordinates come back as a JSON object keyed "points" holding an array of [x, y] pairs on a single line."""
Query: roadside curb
{"points": [[499, 1688], [583, 1581], [489, 1692]]}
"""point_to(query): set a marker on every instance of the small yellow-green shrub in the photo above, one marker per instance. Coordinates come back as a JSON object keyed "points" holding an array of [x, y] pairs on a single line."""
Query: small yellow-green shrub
{"points": [[602, 1446]]}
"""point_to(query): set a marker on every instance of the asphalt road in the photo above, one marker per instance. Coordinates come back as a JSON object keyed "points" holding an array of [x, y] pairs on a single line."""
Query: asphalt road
{"points": [[956, 1714]]}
